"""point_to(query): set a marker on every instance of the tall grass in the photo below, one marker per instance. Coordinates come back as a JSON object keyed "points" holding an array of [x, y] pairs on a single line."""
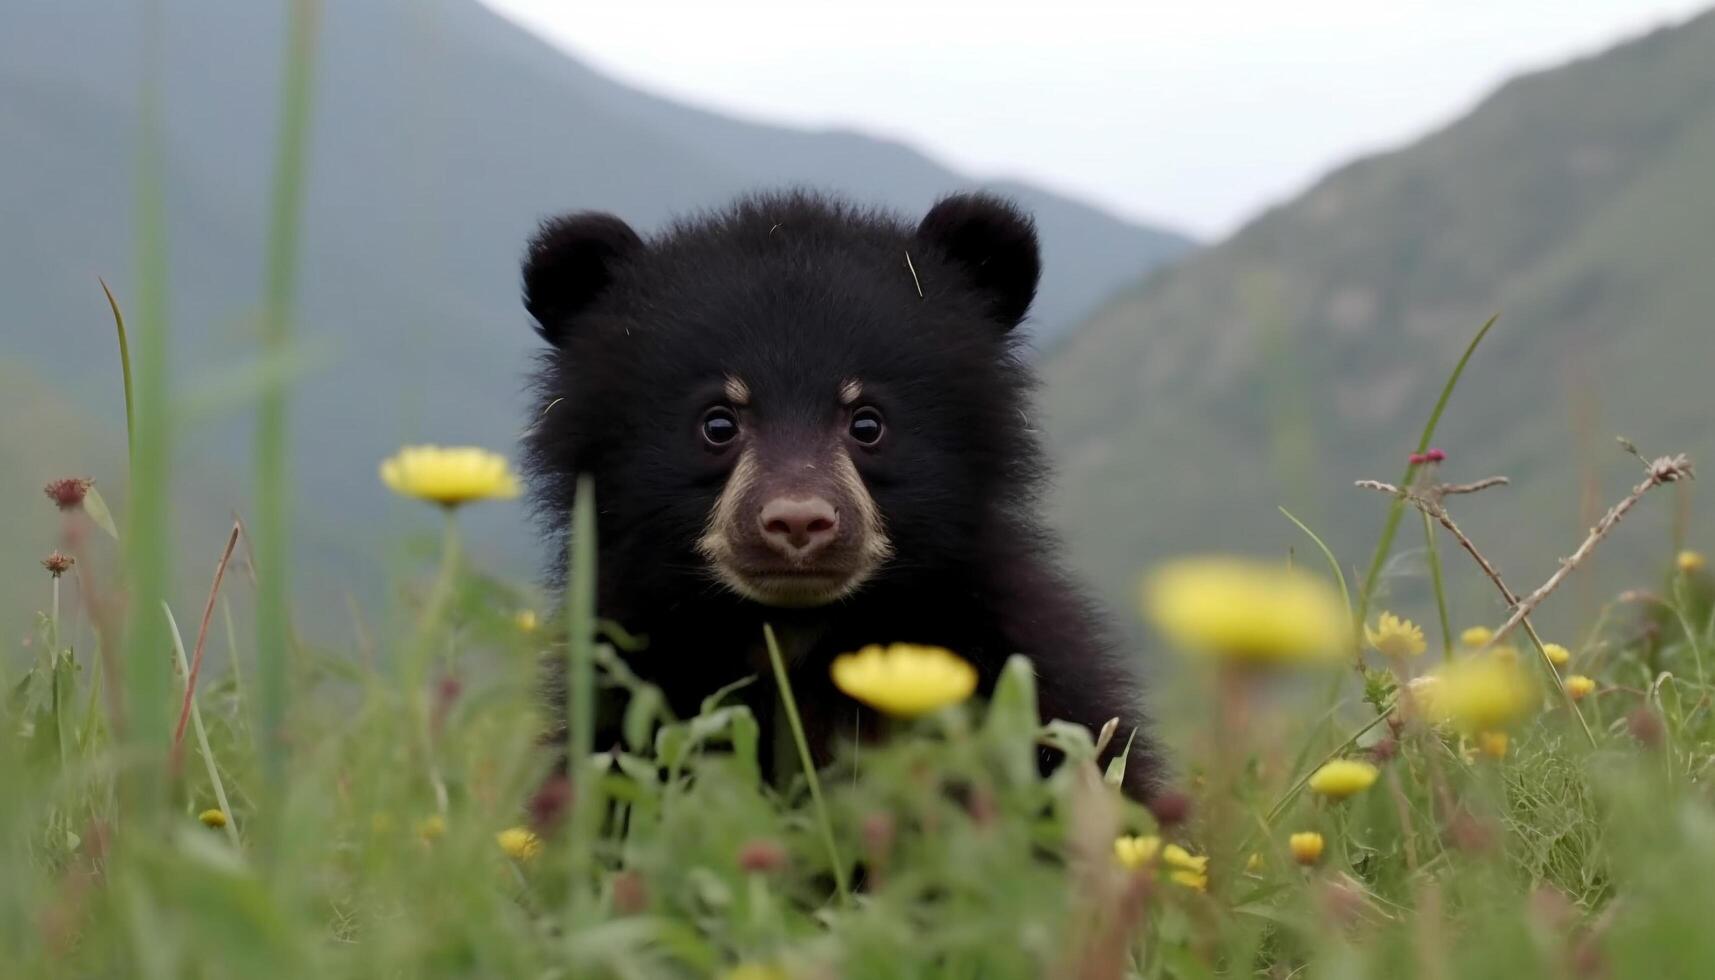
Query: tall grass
{"points": [[273, 474]]}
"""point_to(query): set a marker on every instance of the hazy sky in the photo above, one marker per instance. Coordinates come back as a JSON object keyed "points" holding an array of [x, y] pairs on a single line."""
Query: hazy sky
{"points": [[1194, 112]]}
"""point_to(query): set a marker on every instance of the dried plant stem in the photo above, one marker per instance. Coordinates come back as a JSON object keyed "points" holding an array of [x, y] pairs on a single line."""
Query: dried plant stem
{"points": [[54, 621], [202, 642], [1429, 502], [1666, 469]]}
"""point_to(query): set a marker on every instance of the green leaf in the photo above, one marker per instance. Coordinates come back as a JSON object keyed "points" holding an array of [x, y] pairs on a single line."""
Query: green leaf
{"points": [[96, 508], [640, 714], [1012, 722], [1115, 774]]}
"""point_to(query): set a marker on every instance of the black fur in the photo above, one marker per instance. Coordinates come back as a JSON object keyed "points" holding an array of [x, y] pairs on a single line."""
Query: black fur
{"points": [[795, 293]]}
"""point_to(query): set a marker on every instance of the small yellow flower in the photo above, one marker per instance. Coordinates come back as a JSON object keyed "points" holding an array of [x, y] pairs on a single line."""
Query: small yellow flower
{"points": [[1190, 879], [1182, 866], [525, 620], [1479, 694], [1342, 778], [1506, 653], [1135, 852], [1395, 637], [449, 476], [519, 843], [1558, 655], [1247, 610], [1306, 847], [1477, 637], [1493, 744], [1690, 562], [1580, 687], [432, 827], [212, 818], [905, 679]]}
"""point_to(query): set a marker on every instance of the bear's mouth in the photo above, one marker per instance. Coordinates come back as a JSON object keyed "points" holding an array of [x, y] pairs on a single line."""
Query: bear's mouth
{"points": [[792, 587]]}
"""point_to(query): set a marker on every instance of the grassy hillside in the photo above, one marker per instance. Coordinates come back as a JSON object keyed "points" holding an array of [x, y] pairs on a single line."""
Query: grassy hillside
{"points": [[440, 135], [1304, 352]]}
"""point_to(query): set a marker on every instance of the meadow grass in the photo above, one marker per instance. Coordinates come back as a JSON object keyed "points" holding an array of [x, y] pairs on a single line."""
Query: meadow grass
{"points": [[417, 827]]}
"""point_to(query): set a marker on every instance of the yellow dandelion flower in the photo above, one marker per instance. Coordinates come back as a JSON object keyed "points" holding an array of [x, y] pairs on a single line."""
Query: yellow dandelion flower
{"points": [[1135, 852], [1306, 847], [905, 679], [1342, 778], [1580, 687], [1690, 562], [1493, 744], [1247, 610], [1477, 637], [519, 843], [526, 621], [1190, 879], [1558, 655], [449, 476], [432, 827], [212, 818], [1182, 866], [1395, 637], [1480, 694]]}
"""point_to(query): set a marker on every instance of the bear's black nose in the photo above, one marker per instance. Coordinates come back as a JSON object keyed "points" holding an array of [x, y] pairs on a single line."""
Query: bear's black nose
{"points": [[799, 528]]}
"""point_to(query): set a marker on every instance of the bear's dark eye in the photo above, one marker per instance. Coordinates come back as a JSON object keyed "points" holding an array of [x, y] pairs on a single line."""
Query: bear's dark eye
{"points": [[866, 426], [720, 426]]}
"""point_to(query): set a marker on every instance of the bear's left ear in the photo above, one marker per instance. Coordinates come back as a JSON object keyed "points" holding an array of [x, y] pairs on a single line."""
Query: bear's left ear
{"points": [[570, 263], [995, 243]]}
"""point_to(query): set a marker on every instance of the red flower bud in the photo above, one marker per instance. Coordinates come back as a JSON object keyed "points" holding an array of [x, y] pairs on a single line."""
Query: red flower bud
{"points": [[630, 892], [67, 493], [762, 856]]}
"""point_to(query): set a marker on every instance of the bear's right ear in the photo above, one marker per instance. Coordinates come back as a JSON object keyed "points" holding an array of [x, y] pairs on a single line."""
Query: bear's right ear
{"points": [[570, 263]]}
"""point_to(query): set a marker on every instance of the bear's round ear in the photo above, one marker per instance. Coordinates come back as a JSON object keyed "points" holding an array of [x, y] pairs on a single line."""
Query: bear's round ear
{"points": [[995, 243], [569, 264]]}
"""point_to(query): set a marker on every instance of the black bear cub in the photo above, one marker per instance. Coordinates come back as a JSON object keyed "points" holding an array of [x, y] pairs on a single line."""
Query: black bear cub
{"points": [[802, 413]]}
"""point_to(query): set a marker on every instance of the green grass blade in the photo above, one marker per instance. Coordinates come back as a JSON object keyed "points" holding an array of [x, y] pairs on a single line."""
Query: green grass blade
{"points": [[821, 805], [1440, 587], [1333, 563], [201, 733], [144, 681], [1385, 544], [273, 541], [124, 365]]}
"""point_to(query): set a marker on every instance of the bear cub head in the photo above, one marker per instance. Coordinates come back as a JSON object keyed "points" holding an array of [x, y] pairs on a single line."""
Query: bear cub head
{"points": [[788, 402]]}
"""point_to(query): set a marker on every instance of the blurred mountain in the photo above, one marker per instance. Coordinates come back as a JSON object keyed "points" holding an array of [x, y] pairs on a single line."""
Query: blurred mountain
{"points": [[1307, 351], [441, 134]]}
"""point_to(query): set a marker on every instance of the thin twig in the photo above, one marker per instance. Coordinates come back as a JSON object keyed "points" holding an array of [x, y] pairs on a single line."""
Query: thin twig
{"points": [[1429, 502], [202, 641], [1666, 469]]}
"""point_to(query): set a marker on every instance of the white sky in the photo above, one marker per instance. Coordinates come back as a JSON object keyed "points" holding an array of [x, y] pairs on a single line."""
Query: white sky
{"points": [[1193, 112]]}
